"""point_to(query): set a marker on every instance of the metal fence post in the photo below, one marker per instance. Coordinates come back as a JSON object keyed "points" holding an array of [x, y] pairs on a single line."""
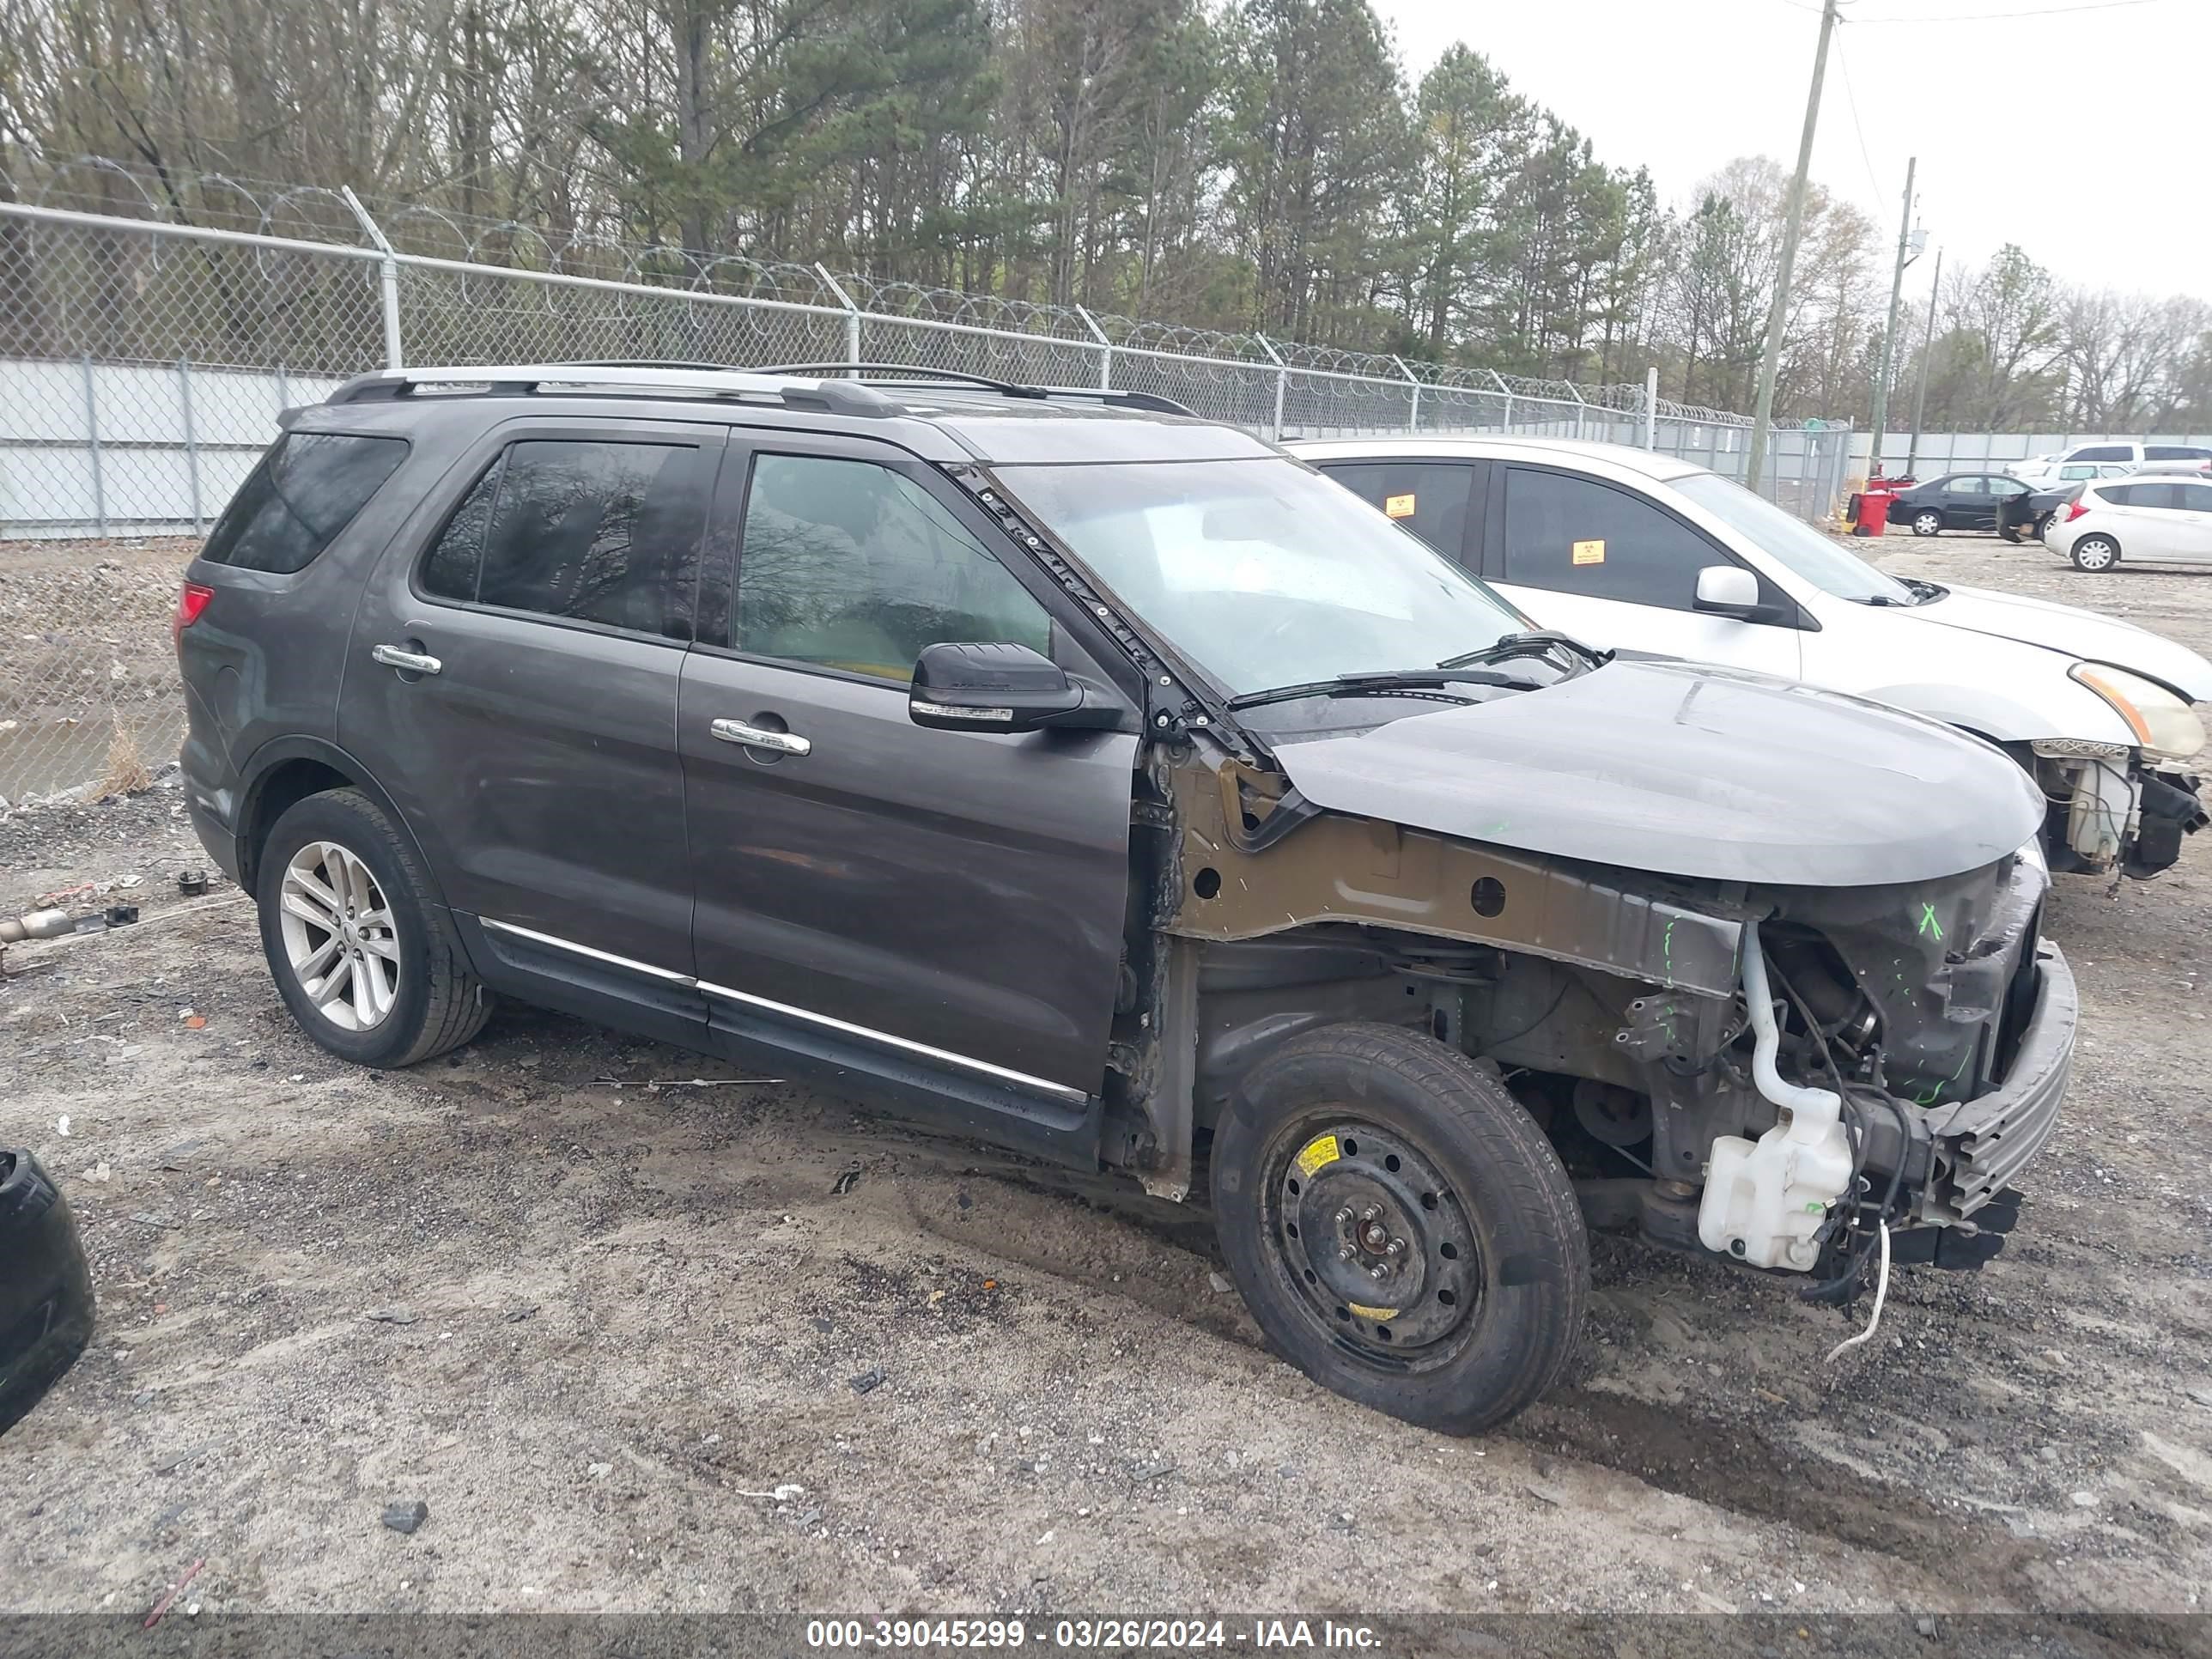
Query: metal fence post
{"points": [[91, 447], [1506, 423], [1580, 406], [191, 440], [1105, 350], [1414, 416], [387, 279], [852, 314], [1282, 384], [1651, 407]]}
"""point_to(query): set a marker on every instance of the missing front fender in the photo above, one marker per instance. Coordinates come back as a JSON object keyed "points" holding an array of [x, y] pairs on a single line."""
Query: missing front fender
{"points": [[2170, 810]]}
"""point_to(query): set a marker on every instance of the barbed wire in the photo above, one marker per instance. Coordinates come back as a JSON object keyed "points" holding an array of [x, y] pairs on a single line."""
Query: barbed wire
{"points": [[592, 248]]}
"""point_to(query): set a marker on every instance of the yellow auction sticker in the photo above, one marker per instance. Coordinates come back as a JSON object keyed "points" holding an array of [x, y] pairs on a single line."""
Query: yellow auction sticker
{"points": [[1398, 507], [1589, 552], [1317, 1152]]}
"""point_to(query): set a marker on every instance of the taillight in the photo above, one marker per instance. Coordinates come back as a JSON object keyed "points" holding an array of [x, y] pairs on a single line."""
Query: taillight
{"points": [[190, 602], [2075, 509]]}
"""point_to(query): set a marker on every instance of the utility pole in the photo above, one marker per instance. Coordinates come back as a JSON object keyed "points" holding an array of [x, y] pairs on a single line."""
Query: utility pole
{"points": [[1770, 363], [1927, 364], [1889, 330]]}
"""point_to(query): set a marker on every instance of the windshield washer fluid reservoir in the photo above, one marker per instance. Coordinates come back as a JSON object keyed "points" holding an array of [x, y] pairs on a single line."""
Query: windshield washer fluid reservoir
{"points": [[1764, 1200]]}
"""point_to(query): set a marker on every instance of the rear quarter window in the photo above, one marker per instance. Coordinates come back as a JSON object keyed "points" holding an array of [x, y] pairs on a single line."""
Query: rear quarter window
{"points": [[306, 489], [2176, 452]]}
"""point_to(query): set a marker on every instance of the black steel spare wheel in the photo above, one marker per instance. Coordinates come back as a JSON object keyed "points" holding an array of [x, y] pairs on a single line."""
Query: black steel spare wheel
{"points": [[1400, 1227], [1377, 1242]]}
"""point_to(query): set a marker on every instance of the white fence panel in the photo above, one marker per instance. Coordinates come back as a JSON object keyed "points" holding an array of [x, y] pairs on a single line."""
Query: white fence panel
{"points": [[109, 449]]}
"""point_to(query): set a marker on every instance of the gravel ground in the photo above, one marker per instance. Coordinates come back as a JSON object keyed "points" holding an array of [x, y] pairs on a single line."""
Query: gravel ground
{"points": [[86, 660], [608, 1325]]}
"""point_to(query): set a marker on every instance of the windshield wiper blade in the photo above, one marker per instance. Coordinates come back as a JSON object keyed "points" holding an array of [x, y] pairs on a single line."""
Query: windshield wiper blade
{"points": [[1382, 682], [1528, 643]]}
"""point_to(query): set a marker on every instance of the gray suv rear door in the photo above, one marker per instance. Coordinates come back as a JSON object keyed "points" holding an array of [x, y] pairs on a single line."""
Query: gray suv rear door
{"points": [[512, 679], [950, 900]]}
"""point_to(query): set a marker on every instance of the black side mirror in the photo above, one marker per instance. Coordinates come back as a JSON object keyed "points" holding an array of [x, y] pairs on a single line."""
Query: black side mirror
{"points": [[984, 687]]}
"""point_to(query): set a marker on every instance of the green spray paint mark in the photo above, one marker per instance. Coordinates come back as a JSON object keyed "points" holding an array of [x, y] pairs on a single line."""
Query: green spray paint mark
{"points": [[1928, 923], [1928, 1099], [1667, 949]]}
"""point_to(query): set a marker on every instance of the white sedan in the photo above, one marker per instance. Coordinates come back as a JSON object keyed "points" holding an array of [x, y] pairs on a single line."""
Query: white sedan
{"points": [[1649, 553], [2147, 519]]}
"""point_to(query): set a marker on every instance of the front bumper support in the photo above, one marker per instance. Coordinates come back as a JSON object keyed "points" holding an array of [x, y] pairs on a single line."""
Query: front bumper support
{"points": [[1981, 1145]]}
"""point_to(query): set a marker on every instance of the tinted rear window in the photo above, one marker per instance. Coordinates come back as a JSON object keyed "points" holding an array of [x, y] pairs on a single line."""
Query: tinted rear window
{"points": [[602, 533], [307, 487], [2176, 452], [1430, 498], [2103, 453], [2142, 494]]}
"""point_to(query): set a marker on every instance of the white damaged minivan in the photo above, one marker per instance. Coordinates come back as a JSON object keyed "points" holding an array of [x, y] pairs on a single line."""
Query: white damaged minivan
{"points": [[1649, 554]]}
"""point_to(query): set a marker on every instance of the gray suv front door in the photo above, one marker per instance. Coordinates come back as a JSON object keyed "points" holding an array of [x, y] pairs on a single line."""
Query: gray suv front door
{"points": [[511, 680], [949, 899]]}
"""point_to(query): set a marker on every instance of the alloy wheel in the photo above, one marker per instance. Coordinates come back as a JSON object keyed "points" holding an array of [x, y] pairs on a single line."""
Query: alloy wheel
{"points": [[339, 936]]}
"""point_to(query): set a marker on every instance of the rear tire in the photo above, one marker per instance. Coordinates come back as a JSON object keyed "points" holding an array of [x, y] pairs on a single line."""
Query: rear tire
{"points": [[1928, 523], [364, 958], [2094, 552], [1400, 1227]]}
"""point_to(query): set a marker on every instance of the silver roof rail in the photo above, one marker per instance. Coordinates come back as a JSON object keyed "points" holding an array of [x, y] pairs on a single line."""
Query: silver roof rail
{"points": [[681, 379]]}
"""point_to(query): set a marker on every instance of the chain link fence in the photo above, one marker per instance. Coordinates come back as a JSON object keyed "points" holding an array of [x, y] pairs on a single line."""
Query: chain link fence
{"points": [[1931, 454], [144, 361]]}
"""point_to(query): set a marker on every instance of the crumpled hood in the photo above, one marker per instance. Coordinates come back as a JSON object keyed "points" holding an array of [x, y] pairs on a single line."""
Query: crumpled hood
{"points": [[1686, 769], [2077, 632]]}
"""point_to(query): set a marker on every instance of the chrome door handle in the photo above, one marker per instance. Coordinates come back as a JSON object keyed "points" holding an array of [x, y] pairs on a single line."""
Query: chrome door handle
{"points": [[410, 662], [759, 737]]}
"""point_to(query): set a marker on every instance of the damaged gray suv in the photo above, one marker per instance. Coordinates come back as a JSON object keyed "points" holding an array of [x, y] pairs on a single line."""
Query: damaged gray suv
{"points": [[1101, 782]]}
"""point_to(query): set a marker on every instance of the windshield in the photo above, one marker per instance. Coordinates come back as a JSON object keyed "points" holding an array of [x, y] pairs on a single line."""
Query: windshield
{"points": [[1808, 553], [1262, 572]]}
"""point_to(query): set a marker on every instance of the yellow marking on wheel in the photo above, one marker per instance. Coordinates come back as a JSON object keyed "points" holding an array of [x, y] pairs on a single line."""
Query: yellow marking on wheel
{"points": [[1317, 1153], [1378, 1314]]}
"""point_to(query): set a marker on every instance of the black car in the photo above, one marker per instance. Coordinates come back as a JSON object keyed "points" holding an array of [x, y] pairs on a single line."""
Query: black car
{"points": [[46, 1286], [1957, 500], [1104, 782], [2022, 518]]}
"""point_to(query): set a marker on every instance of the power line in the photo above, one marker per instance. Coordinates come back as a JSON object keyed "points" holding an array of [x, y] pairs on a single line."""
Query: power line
{"points": [[2006, 17], [1850, 98]]}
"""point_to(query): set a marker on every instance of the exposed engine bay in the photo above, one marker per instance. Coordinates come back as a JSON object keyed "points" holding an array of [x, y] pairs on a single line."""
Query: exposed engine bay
{"points": [[2109, 811], [1773, 1074]]}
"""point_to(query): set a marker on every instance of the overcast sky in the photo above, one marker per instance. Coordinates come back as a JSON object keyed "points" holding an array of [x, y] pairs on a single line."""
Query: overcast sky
{"points": [[2095, 159]]}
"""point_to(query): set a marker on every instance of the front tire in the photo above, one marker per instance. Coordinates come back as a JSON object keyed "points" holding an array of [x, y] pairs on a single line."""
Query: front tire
{"points": [[1400, 1227], [363, 956], [1928, 523], [2095, 552]]}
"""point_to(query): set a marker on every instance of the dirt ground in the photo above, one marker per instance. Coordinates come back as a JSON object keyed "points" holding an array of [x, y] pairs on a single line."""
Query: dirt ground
{"points": [[608, 1325], [85, 657]]}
